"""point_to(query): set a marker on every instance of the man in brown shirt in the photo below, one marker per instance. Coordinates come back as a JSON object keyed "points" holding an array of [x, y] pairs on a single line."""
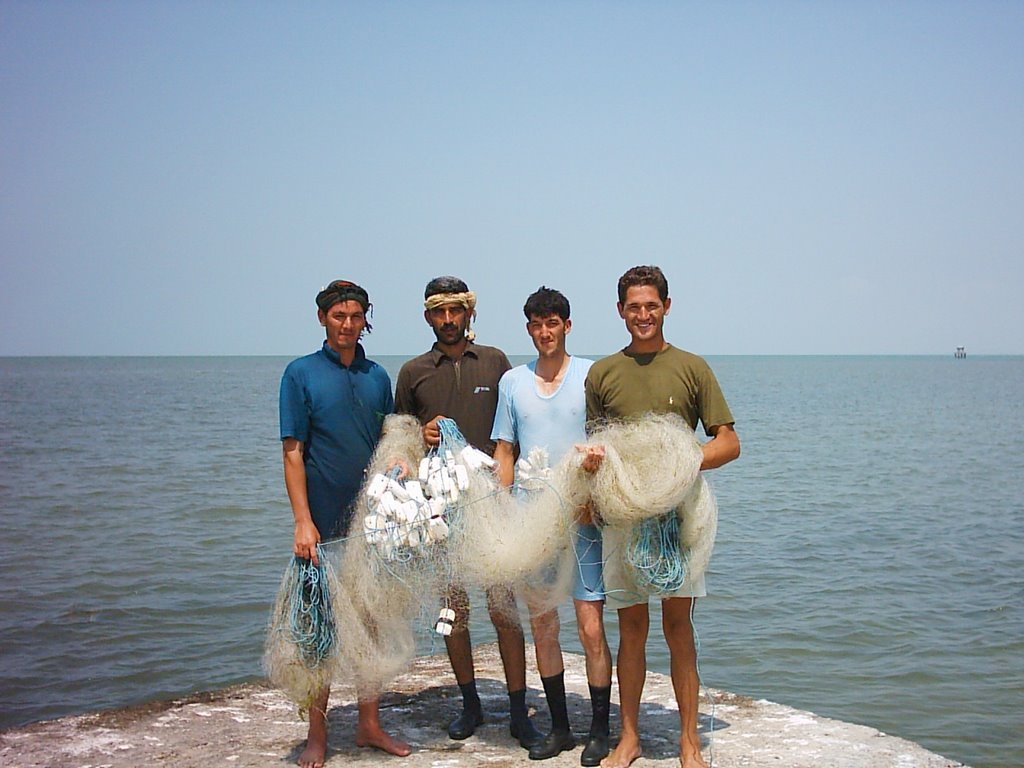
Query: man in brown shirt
{"points": [[458, 379]]}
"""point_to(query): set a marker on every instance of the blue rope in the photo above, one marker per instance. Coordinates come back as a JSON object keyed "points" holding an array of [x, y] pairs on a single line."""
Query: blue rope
{"points": [[310, 617], [654, 553], [451, 437], [451, 440]]}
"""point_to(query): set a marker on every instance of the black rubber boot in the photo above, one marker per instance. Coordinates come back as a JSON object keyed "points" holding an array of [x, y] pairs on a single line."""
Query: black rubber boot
{"points": [[554, 744], [560, 739], [522, 727], [472, 715], [597, 747]]}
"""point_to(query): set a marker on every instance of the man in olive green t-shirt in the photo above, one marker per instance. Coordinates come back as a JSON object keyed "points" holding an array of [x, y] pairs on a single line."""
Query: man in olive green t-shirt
{"points": [[650, 375]]}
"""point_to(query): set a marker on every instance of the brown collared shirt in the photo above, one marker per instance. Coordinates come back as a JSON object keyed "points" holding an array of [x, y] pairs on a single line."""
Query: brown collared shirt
{"points": [[465, 390]]}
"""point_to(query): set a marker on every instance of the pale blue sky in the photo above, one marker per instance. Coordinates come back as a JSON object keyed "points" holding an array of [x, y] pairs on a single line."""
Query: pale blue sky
{"points": [[835, 177]]}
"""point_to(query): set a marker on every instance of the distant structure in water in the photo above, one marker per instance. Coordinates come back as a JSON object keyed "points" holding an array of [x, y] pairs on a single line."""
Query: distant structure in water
{"points": [[961, 353]]}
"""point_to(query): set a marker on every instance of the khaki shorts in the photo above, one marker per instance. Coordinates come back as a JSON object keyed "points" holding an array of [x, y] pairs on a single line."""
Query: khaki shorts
{"points": [[619, 586]]}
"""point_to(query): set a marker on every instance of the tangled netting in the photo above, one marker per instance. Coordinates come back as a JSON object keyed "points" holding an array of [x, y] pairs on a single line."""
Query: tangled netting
{"points": [[427, 519], [301, 645], [663, 554], [649, 466], [658, 514]]}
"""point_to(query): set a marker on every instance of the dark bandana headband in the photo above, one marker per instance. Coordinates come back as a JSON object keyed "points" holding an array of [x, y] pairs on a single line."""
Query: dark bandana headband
{"points": [[342, 290]]}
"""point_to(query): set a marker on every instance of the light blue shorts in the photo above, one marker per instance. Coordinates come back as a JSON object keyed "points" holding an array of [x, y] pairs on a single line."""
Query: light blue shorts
{"points": [[589, 583]]}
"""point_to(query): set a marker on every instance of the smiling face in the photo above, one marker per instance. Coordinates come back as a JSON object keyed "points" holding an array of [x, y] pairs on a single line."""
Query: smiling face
{"points": [[548, 334], [644, 314], [345, 322], [449, 323]]}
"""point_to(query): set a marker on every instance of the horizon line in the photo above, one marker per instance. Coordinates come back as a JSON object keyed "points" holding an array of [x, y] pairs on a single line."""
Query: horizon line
{"points": [[517, 354]]}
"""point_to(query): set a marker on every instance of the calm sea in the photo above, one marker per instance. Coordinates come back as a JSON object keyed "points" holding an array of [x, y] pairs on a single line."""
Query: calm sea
{"points": [[869, 564]]}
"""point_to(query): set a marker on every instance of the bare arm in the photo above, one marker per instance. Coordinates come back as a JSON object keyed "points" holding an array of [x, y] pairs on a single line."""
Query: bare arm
{"points": [[723, 447], [306, 534], [504, 454]]}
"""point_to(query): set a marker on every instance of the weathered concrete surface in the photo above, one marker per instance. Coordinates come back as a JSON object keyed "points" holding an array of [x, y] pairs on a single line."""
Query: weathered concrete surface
{"points": [[252, 725]]}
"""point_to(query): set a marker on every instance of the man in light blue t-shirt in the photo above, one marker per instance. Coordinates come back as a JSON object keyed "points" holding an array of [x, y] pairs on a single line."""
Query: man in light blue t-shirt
{"points": [[542, 405]]}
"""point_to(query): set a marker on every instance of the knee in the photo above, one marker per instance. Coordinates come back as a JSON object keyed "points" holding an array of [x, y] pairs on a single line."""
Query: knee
{"points": [[461, 621], [677, 625], [633, 626], [679, 636], [592, 635], [505, 621], [545, 627]]}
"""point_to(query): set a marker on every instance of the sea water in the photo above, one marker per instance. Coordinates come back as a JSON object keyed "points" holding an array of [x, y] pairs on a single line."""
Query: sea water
{"points": [[869, 563]]}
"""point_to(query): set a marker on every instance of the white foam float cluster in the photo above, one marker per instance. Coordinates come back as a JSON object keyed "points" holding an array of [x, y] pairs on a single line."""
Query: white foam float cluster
{"points": [[445, 622], [401, 517], [406, 515], [446, 473]]}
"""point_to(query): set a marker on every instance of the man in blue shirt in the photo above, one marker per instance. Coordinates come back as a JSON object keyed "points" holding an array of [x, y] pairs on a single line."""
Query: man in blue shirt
{"points": [[542, 405], [333, 403]]}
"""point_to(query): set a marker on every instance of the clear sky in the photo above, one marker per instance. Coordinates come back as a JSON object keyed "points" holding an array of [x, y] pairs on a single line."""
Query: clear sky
{"points": [[813, 177]]}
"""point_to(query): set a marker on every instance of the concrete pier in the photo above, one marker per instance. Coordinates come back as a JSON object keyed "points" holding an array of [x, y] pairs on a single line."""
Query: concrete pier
{"points": [[251, 726]]}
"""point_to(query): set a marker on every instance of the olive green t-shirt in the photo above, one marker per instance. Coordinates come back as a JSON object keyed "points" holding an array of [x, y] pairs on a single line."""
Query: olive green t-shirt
{"points": [[624, 386]]}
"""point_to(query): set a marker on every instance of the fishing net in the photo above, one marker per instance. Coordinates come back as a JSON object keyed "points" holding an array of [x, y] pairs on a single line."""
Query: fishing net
{"points": [[448, 522], [648, 468], [301, 652], [657, 512], [667, 552]]}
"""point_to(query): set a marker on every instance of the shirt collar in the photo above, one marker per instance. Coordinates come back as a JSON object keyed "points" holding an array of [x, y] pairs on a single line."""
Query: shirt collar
{"points": [[437, 355], [645, 357], [334, 357]]}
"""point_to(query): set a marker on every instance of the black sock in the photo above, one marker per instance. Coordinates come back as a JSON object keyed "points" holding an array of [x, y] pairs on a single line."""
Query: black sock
{"points": [[470, 698], [600, 702], [517, 707], [554, 689]]}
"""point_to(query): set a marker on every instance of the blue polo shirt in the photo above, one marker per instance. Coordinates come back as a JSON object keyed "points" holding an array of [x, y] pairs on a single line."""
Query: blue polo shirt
{"points": [[336, 412]]}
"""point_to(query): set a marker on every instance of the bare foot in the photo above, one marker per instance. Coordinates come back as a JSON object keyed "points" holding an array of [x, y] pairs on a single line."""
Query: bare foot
{"points": [[625, 752], [314, 754], [378, 739], [689, 753]]}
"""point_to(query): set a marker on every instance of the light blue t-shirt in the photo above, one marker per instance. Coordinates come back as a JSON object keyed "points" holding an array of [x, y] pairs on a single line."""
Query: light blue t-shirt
{"points": [[555, 422]]}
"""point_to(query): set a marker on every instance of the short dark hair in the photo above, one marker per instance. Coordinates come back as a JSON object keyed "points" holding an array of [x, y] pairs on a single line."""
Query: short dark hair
{"points": [[545, 302], [643, 276], [444, 284]]}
